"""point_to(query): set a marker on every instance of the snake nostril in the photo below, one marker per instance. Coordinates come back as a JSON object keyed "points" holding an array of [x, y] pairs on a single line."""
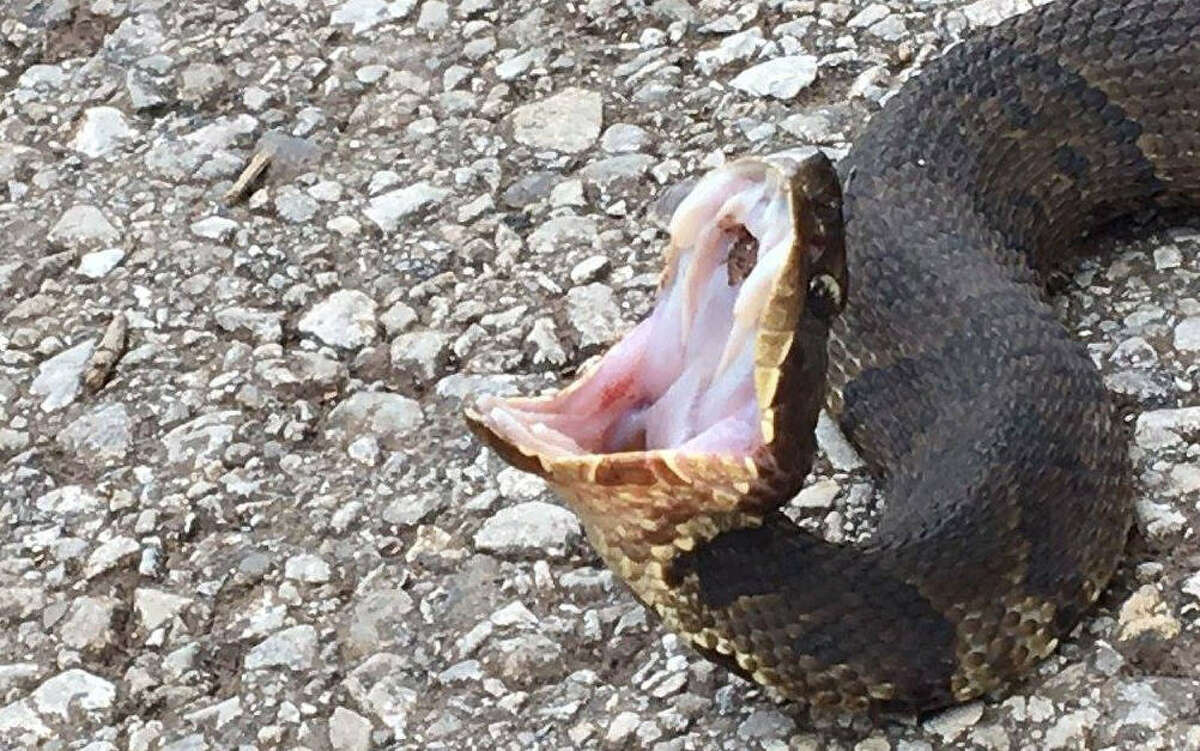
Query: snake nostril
{"points": [[824, 296]]}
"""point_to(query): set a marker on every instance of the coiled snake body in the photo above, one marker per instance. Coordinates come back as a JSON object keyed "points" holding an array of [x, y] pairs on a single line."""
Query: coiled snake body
{"points": [[997, 449]]}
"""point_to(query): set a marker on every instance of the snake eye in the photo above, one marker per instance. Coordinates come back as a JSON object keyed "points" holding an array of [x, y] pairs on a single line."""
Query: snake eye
{"points": [[824, 296]]}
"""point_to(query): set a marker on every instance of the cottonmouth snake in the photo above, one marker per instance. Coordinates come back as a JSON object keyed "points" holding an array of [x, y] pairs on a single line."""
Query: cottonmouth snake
{"points": [[994, 440]]}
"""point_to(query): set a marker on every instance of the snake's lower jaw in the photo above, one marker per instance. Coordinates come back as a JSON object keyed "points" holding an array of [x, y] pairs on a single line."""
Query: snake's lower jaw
{"points": [[692, 395]]}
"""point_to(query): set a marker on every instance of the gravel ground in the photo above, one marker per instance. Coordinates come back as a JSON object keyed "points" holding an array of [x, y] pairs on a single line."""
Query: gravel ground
{"points": [[265, 526]]}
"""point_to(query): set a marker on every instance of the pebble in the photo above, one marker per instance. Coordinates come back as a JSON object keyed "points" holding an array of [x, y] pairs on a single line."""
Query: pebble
{"points": [[1187, 335], [388, 417], [73, 689], [764, 724], [1166, 428], [592, 311], [83, 224], [953, 722], [103, 131], [59, 378], [421, 352], [100, 436], [532, 527], [364, 15], [1144, 612], [307, 568], [345, 319], [217, 228], [349, 731], [294, 648], [155, 607], [202, 438], [781, 78], [389, 209], [568, 121], [96, 265], [623, 138], [110, 554]]}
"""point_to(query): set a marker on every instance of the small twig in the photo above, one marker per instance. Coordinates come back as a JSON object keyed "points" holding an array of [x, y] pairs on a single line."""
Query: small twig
{"points": [[107, 353], [249, 177]]}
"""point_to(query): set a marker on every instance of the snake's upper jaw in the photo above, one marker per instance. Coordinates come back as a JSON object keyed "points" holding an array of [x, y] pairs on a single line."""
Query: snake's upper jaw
{"points": [[710, 375]]}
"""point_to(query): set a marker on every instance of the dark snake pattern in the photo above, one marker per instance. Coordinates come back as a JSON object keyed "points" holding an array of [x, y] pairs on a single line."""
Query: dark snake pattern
{"points": [[998, 451]]}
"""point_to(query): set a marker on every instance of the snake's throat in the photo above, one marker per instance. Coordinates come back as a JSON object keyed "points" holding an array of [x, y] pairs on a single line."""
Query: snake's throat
{"points": [[698, 377]]}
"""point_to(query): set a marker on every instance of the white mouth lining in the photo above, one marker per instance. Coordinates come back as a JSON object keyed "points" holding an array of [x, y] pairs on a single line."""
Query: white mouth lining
{"points": [[683, 378]]}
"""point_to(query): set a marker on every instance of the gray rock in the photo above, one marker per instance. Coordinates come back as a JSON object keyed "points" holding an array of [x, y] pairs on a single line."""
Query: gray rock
{"points": [[83, 224], [307, 568], [840, 452], [88, 624], [622, 138], [367, 14], [1145, 613], [294, 205], [1187, 335], [349, 731], [345, 319], [73, 689], [97, 265], [263, 325], [69, 499], [533, 527], [388, 417], [111, 554], [592, 311], [992, 12], [294, 648], [568, 121], [781, 78], [200, 81], [217, 228], [621, 728], [435, 15], [413, 508], [100, 436], [398, 318], [388, 210], [1159, 522], [58, 379], [102, 132], [155, 607], [422, 352], [869, 16], [953, 722], [763, 724], [1167, 428], [203, 438]]}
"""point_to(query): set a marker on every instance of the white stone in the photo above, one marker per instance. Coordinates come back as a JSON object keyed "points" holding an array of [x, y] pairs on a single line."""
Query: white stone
{"points": [[1166, 428], [345, 319], [388, 209], [569, 121], [308, 568], [1187, 335], [58, 379], [953, 722], [366, 14], [294, 648], [97, 265], [102, 132], [156, 607], [530, 527], [782, 77], [214, 228], [74, 687], [83, 224], [349, 731], [109, 555]]}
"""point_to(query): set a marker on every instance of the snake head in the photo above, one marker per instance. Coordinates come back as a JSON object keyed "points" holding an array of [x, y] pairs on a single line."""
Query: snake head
{"points": [[708, 405]]}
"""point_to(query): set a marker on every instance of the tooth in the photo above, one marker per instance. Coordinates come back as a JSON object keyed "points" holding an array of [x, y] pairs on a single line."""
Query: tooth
{"points": [[751, 299]]}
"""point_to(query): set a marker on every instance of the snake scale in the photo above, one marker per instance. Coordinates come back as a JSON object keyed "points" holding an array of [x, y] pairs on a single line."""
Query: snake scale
{"points": [[996, 446]]}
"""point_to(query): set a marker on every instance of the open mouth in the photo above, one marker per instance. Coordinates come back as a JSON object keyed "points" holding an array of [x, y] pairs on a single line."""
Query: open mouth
{"points": [[684, 379]]}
